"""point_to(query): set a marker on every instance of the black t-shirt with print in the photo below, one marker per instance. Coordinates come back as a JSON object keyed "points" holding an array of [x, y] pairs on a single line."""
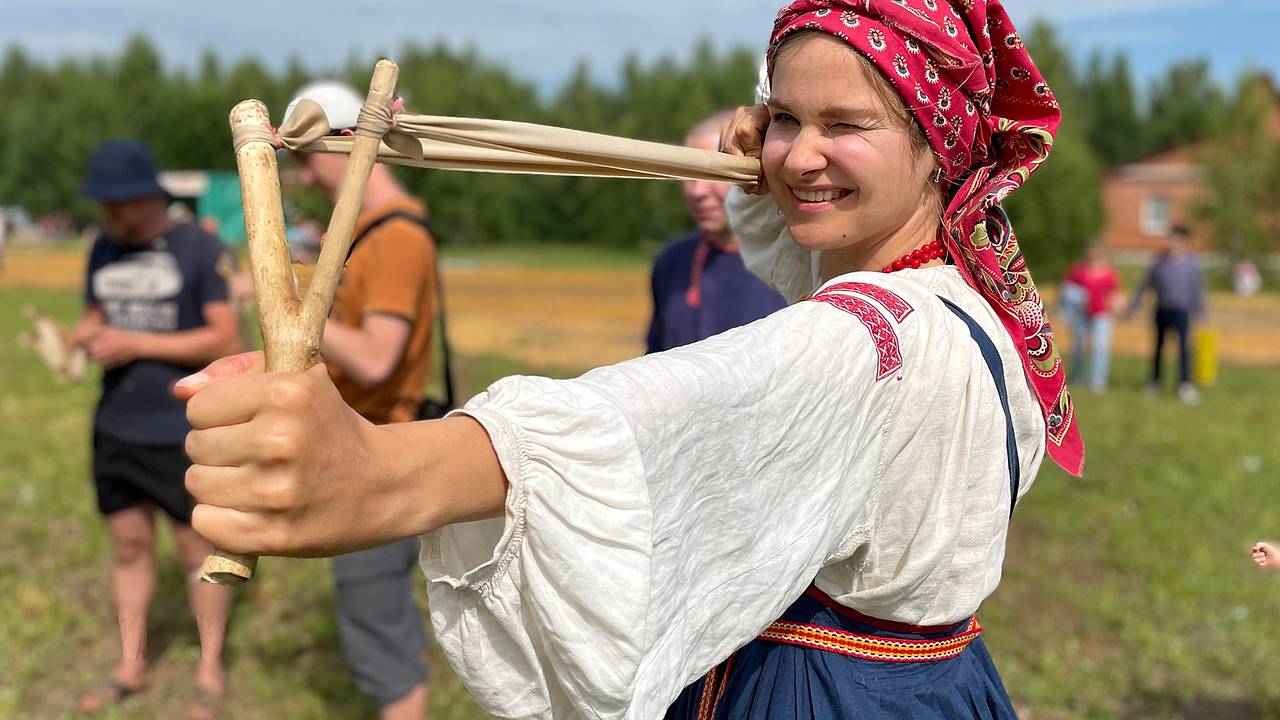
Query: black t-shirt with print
{"points": [[159, 288]]}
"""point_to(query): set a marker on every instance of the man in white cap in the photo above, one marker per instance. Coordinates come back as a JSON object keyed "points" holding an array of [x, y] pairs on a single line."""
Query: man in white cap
{"points": [[377, 345]]}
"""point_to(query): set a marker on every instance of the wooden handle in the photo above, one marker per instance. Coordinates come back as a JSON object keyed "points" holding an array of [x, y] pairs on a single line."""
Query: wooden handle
{"points": [[342, 224], [291, 328]]}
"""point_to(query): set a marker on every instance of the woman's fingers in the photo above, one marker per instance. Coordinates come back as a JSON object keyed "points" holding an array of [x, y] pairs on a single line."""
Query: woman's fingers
{"points": [[223, 446], [744, 135], [240, 532], [239, 399], [252, 442], [222, 486], [727, 144], [249, 490], [729, 141], [228, 402], [230, 366]]}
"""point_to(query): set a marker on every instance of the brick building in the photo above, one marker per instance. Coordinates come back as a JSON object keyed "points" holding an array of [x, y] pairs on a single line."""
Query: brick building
{"points": [[1144, 200]]}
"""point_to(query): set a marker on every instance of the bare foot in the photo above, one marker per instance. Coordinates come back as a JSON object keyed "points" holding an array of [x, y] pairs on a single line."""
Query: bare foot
{"points": [[206, 705], [121, 685], [1266, 555], [211, 692]]}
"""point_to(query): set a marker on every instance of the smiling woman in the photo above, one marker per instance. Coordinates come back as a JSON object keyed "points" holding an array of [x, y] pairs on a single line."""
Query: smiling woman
{"points": [[797, 518]]}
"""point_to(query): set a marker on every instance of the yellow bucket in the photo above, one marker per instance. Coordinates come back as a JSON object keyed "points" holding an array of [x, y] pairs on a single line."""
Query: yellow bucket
{"points": [[1204, 368]]}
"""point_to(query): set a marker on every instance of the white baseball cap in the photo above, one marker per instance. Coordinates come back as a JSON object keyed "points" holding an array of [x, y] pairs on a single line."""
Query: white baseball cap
{"points": [[341, 103]]}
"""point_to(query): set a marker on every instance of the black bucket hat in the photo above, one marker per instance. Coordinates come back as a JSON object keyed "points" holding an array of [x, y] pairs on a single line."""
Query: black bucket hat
{"points": [[121, 170]]}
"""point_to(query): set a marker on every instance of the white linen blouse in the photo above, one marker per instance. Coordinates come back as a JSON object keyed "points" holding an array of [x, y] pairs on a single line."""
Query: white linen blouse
{"points": [[663, 511]]}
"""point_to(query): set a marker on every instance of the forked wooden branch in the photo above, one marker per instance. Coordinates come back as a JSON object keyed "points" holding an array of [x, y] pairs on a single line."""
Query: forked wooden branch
{"points": [[292, 326]]}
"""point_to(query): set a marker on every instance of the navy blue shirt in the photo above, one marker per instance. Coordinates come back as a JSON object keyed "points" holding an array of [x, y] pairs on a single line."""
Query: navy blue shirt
{"points": [[161, 287], [728, 295], [1177, 283]]}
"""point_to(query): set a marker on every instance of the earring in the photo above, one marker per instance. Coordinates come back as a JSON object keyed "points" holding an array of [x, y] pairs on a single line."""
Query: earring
{"points": [[779, 212], [937, 176]]}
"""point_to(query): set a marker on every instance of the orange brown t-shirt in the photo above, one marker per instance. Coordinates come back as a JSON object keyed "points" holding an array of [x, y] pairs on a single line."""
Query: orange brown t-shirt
{"points": [[391, 271]]}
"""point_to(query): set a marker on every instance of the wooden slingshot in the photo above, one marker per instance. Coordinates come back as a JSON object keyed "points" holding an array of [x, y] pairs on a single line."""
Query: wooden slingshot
{"points": [[292, 325]]}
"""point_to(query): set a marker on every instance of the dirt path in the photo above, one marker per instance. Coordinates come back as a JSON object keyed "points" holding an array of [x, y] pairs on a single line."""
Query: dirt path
{"points": [[576, 318]]}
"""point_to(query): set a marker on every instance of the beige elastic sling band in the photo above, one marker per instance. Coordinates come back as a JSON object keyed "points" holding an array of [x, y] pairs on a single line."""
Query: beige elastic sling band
{"points": [[454, 143]]}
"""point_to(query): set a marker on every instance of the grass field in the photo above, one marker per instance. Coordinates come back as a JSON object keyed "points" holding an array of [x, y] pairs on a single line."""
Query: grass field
{"points": [[1127, 594]]}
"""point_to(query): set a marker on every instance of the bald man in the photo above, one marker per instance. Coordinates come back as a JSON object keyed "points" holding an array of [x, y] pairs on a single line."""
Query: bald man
{"points": [[700, 286]]}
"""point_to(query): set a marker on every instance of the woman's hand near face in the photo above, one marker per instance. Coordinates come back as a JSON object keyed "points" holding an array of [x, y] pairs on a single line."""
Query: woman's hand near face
{"points": [[744, 135], [282, 466]]}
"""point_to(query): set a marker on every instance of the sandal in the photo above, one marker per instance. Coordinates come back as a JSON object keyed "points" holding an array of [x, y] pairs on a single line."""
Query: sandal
{"points": [[206, 704], [112, 693]]}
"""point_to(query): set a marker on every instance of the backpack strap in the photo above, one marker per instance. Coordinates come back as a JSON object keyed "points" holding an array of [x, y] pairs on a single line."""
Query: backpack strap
{"points": [[425, 224]]}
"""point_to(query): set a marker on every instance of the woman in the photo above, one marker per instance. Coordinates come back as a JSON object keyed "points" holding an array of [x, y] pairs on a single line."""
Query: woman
{"points": [[1099, 283], [845, 467]]}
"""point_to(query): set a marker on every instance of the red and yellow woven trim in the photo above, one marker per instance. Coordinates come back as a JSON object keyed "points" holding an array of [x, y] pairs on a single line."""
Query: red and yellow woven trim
{"points": [[870, 647], [713, 687]]}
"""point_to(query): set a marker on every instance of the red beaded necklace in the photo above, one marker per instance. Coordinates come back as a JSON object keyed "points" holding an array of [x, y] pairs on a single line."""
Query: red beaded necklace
{"points": [[917, 257]]}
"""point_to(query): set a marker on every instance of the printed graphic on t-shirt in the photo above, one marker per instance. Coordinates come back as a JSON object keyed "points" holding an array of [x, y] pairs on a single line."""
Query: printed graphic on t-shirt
{"points": [[138, 292]]}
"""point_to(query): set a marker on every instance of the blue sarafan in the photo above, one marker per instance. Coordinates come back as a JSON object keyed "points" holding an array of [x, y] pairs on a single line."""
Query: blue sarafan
{"points": [[885, 670]]}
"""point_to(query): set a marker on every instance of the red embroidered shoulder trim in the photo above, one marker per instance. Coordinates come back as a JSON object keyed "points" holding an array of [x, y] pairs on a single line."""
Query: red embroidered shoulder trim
{"points": [[849, 297]]}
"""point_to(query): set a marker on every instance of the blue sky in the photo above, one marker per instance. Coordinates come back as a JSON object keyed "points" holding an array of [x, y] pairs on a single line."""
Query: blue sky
{"points": [[542, 39]]}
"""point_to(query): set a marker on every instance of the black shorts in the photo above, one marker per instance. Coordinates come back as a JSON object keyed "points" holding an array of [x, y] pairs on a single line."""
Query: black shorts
{"points": [[126, 474]]}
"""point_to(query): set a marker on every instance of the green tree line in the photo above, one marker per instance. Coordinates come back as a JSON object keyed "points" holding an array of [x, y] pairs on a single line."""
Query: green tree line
{"points": [[56, 113]]}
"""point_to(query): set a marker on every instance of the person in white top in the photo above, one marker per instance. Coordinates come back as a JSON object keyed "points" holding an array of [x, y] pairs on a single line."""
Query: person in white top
{"points": [[797, 518]]}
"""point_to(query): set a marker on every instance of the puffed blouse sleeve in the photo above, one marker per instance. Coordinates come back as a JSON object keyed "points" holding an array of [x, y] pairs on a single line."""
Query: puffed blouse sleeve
{"points": [[660, 514]]}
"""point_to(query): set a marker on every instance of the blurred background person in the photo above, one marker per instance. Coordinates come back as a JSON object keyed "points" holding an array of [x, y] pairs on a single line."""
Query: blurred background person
{"points": [[1072, 306], [699, 283], [1245, 278], [1178, 284], [377, 344], [4, 230], [1266, 556], [1099, 287], [156, 308]]}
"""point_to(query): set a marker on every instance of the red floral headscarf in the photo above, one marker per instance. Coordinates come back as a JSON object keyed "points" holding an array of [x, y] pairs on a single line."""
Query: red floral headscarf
{"points": [[961, 69]]}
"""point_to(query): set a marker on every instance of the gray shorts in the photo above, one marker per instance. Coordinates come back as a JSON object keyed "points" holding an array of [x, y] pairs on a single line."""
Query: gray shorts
{"points": [[379, 625]]}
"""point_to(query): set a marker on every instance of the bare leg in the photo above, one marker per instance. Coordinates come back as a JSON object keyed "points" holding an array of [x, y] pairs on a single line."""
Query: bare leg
{"points": [[133, 536], [413, 706], [1266, 555], [210, 604], [132, 532]]}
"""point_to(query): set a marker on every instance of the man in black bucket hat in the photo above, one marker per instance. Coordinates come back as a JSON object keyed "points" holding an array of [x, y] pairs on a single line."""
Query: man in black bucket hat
{"points": [[156, 309]]}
